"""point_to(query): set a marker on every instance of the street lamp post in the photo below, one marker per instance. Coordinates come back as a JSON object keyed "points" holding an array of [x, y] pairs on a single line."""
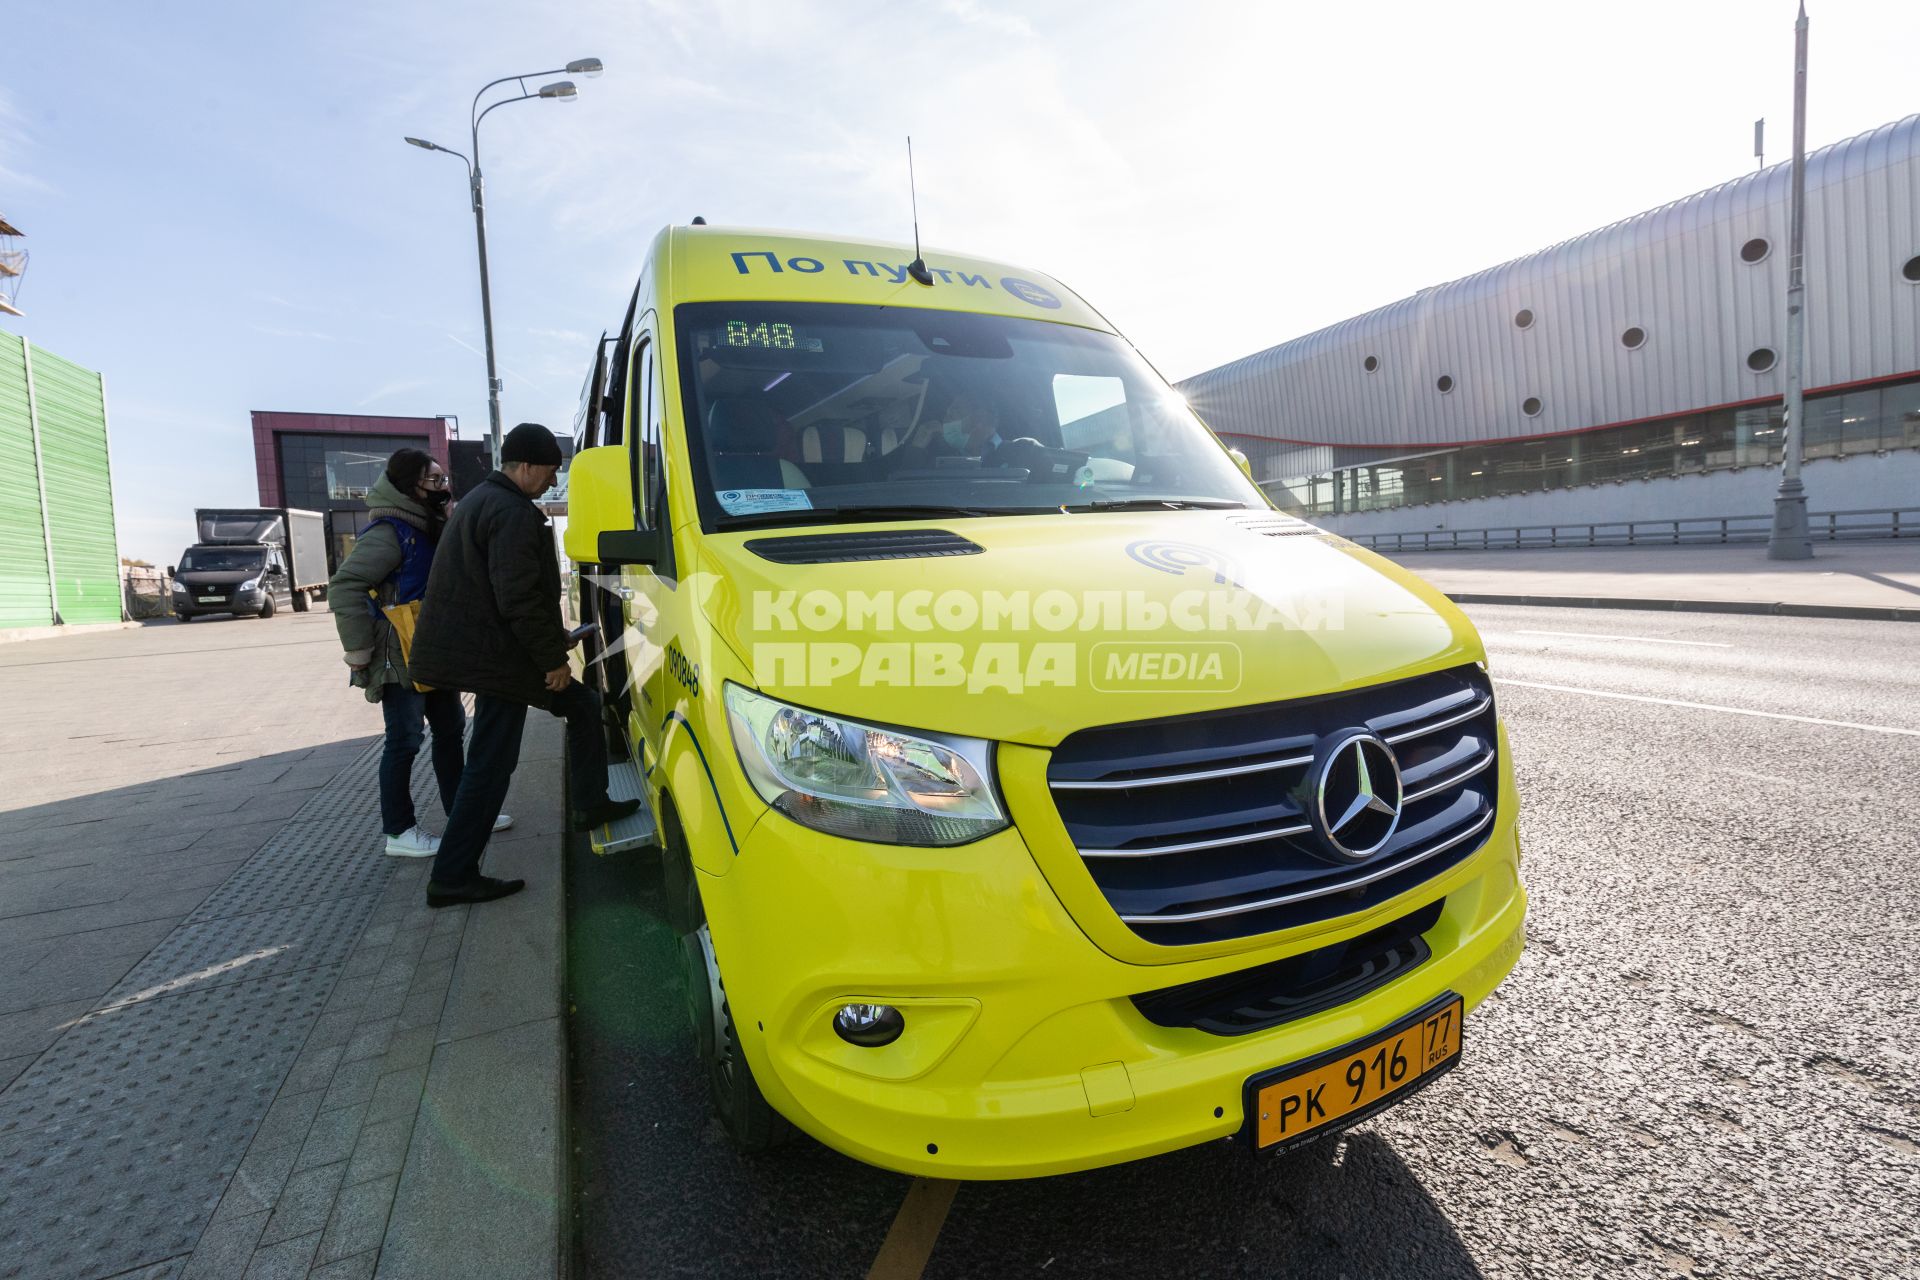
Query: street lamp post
{"points": [[560, 90], [1790, 539]]}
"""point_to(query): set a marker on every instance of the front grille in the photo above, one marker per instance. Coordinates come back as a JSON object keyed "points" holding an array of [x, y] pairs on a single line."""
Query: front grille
{"points": [[1196, 828], [1235, 1004]]}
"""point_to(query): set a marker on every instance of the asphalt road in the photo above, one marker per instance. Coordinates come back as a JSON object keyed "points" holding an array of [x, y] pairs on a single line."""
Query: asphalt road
{"points": [[1704, 1065]]}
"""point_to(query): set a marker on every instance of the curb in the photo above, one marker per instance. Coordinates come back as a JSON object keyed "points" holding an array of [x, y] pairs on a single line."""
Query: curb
{"points": [[19, 635], [1773, 608]]}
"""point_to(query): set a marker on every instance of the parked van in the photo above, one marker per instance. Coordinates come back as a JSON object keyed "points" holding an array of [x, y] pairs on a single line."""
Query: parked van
{"points": [[1033, 796]]}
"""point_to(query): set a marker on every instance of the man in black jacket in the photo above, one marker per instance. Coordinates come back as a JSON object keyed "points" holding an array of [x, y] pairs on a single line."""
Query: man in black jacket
{"points": [[490, 625]]}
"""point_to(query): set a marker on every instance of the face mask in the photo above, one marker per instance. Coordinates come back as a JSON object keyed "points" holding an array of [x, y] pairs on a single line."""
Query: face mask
{"points": [[437, 499], [954, 433]]}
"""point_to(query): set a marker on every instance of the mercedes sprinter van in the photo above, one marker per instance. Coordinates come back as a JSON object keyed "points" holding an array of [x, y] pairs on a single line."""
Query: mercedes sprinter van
{"points": [[1033, 795]]}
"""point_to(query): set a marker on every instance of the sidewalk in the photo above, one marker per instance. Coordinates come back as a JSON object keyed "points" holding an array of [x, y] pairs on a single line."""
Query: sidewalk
{"points": [[1844, 579], [233, 1040]]}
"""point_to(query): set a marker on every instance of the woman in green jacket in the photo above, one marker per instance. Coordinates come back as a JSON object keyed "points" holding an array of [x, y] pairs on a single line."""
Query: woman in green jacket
{"points": [[388, 566]]}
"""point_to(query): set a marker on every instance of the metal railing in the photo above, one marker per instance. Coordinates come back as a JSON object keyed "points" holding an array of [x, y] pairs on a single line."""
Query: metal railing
{"points": [[1825, 526]]}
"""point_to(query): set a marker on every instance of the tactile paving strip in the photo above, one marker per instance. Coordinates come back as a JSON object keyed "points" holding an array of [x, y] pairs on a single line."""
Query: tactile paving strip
{"points": [[323, 851], [153, 1051], [242, 948], [116, 1145], [124, 1189]]}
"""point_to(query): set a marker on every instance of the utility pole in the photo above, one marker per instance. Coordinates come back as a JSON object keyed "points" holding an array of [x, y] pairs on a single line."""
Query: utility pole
{"points": [[486, 303], [562, 91], [1789, 540]]}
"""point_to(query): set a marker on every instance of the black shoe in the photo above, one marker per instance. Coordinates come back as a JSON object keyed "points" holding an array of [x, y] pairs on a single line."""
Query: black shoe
{"points": [[482, 889], [601, 814]]}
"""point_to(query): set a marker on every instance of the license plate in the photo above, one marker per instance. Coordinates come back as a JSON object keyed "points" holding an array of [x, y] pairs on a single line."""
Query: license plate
{"points": [[208, 599], [1297, 1103]]}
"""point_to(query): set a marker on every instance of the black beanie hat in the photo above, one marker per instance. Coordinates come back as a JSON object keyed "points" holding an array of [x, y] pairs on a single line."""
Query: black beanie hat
{"points": [[530, 442]]}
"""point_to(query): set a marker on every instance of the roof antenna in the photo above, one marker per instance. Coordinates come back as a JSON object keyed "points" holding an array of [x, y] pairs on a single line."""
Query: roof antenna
{"points": [[918, 267]]}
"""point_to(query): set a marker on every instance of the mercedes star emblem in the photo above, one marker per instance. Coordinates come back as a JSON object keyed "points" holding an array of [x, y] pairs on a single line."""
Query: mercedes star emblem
{"points": [[1357, 796]]}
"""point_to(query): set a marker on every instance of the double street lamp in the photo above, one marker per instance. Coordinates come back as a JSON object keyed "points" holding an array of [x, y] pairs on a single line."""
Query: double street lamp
{"points": [[560, 90]]}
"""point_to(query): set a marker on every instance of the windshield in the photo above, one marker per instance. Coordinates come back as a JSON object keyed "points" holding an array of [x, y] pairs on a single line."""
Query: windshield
{"points": [[217, 560], [801, 412]]}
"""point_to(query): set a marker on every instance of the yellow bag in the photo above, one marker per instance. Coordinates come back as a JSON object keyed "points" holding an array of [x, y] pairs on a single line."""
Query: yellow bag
{"points": [[404, 618]]}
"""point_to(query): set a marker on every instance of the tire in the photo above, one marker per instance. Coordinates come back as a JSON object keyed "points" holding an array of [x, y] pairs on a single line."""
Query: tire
{"points": [[752, 1125], [266, 608], [183, 617], [300, 602]]}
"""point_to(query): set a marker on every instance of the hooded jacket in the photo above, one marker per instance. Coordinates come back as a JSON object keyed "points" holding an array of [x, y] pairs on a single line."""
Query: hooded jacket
{"points": [[362, 586], [491, 620]]}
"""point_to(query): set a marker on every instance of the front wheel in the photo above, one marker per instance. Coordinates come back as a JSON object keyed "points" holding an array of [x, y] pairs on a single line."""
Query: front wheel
{"points": [[266, 607], [750, 1120]]}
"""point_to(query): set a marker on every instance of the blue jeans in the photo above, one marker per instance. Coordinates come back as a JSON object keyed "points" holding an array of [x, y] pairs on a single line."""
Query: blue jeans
{"points": [[405, 709]]}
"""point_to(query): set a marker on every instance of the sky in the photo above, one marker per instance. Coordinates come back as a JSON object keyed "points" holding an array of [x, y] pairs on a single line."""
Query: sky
{"points": [[223, 217]]}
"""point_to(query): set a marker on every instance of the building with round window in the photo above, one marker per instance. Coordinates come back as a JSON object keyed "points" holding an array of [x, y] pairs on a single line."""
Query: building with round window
{"points": [[1636, 372]]}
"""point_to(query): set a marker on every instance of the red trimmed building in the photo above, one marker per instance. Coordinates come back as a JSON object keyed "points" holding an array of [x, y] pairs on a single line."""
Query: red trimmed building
{"points": [[327, 462]]}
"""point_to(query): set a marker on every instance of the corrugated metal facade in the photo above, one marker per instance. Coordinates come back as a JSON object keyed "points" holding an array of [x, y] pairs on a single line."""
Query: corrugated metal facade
{"points": [[79, 485], [1675, 273], [66, 405], [25, 600]]}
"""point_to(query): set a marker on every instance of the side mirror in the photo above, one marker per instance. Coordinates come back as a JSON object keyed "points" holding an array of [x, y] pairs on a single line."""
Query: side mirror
{"points": [[600, 526], [172, 572], [1241, 461]]}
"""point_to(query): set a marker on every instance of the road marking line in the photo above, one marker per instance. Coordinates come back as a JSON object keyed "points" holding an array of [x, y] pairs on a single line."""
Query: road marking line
{"points": [[909, 1243], [1709, 706], [1595, 635]]}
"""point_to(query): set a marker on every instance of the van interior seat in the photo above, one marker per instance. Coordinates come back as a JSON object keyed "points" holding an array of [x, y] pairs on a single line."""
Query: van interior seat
{"points": [[742, 436], [835, 442]]}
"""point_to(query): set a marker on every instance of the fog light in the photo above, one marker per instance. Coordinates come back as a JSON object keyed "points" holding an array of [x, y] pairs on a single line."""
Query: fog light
{"points": [[869, 1025]]}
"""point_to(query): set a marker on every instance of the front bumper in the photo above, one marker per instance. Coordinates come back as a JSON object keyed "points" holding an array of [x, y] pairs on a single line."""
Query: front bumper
{"points": [[239, 607], [1023, 1055]]}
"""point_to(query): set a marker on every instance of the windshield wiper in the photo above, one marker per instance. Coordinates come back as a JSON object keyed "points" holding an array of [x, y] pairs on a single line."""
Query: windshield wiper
{"points": [[1159, 504], [856, 514]]}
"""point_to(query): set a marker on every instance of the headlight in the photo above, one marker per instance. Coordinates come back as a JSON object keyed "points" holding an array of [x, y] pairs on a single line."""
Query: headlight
{"points": [[251, 584], [864, 782]]}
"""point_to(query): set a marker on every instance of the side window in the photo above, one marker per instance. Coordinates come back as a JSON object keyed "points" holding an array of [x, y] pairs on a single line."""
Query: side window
{"points": [[643, 421], [652, 462], [592, 424]]}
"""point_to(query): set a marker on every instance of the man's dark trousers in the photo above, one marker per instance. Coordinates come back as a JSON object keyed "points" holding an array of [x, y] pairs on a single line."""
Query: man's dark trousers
{"points": [[492, 754]]}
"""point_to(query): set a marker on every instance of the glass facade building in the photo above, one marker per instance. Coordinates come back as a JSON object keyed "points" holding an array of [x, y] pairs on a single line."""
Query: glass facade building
{"points": [[328, 461], [1864, 420], [1647, 350]]}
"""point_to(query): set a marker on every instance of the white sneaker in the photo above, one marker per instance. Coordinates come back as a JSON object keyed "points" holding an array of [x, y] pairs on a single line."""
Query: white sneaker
{"points": [[413, 843], [502, 822]]}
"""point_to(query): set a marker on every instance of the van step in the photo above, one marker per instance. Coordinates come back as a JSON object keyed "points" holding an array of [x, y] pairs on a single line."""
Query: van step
{"points": [[635, 831]]}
